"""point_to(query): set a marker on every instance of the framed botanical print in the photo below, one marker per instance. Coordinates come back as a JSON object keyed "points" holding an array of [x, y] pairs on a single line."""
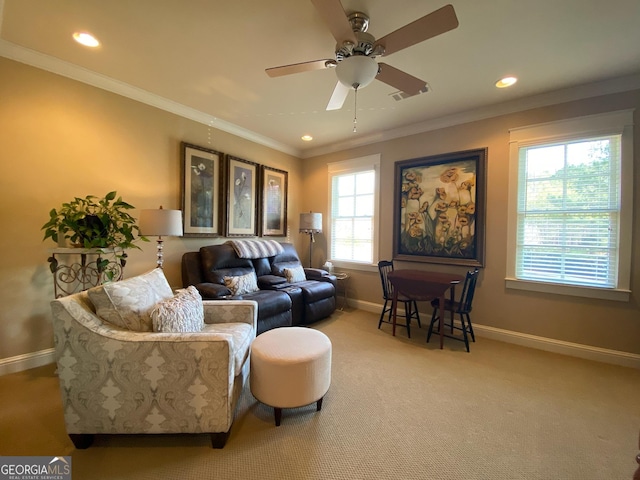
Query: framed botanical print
{"points": [[242, 197], [201, 191], [439, 208], [274, 202]]}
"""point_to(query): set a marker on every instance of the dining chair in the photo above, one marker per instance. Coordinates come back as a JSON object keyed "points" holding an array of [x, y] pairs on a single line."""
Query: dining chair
{"points": [[410, 306], [461, 308]]}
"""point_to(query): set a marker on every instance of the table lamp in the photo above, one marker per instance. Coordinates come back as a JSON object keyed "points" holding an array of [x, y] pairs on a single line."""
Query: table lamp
{"points": [[161, 222], [310, 223]]}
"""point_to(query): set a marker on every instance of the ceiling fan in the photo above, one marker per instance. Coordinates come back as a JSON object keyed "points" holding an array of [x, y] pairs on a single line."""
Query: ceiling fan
{"points": [[356, 50]]}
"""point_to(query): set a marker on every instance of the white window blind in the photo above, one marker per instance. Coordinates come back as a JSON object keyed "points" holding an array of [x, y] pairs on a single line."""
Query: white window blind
{"points": [[568, 212], [570, 209], [353, 205]]}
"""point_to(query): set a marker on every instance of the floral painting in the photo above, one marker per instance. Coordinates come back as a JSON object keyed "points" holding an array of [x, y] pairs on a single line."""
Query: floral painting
{"points": [[241, 197], [439, 209], [201, 191], [274, 202], [201, 173]]}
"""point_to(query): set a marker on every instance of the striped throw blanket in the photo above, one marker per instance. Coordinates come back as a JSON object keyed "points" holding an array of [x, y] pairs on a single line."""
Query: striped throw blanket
{"points": [[256, 248]]}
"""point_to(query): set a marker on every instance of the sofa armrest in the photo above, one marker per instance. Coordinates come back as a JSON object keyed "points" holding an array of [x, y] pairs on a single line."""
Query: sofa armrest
{"points": [[212, 291], [315, 273], [320, 275], [231, 311], [75, 313]]}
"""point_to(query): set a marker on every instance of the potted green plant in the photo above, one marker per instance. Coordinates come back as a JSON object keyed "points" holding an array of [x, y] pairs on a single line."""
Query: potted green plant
{"points": [[91, 222]]}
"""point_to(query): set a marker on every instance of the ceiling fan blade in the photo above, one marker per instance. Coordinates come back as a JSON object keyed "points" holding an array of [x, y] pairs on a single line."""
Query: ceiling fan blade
{"points": [[299, 67], [429, 26], [400, 80], [338, 97], [333, 15]]}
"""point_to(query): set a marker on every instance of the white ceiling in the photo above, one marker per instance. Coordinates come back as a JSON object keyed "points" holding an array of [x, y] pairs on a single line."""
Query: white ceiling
{"points": [[209, 56]]}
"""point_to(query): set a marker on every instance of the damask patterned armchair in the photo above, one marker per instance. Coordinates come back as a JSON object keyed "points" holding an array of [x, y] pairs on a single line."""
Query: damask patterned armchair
{"points": [[115, 380]]}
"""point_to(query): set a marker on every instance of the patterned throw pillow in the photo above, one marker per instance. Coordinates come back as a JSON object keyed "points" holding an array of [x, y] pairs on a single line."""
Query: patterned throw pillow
{"points": [[181, 314], [295, 274], [242, 284], [128, 303]]}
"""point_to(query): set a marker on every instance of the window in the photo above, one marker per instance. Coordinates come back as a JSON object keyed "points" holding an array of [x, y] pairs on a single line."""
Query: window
{"points": [[570, 206], [353, 224]]}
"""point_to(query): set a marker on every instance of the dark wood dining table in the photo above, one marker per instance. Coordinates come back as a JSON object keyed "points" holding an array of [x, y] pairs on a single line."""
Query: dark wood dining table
{"points": [[423, 285]]}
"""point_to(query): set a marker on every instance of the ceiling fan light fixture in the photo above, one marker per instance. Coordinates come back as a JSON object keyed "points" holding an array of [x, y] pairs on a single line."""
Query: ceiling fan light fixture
{"points": [[359, 21], [347, 47], [357, 71], [378, 50]]}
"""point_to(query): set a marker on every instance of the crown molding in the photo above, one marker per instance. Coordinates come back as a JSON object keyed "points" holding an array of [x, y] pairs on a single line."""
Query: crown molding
{"points": [[606, 87], [69, 70]]}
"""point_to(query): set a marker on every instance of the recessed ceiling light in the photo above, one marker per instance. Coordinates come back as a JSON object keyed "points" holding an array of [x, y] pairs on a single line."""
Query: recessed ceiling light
{"points": [[86, 39], [506, 82], [307, 138]]}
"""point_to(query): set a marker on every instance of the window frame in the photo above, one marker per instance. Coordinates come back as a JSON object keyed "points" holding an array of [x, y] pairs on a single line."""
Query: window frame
{"points": [[611, 123], [353, 166]]}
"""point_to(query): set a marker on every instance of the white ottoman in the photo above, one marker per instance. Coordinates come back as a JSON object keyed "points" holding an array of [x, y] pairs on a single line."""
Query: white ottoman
{"points": [[290, 367]]}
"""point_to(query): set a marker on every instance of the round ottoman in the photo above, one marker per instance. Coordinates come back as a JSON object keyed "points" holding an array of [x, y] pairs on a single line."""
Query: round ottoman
{"points": [[290, 367]]}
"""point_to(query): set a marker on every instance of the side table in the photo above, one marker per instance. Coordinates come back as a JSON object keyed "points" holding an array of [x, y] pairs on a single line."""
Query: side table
{"points": [[77, 269], [342, 287]]}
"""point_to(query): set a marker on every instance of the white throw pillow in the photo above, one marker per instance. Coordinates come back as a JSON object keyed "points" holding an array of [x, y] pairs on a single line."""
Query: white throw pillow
{"points": [[242, 284], [180, 314], [128, 303], [295, 274]]}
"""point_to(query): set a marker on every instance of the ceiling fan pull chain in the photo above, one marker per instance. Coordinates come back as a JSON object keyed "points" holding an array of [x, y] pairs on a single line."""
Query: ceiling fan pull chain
{"points": [[355, 109]]}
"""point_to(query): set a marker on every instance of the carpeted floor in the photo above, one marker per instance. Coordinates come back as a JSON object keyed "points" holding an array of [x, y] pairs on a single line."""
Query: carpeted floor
{"points": [[396, 409]]}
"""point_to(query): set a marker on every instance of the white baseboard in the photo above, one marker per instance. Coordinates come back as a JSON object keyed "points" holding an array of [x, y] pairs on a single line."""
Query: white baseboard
{"points": [[26, 361], [587, 352]]}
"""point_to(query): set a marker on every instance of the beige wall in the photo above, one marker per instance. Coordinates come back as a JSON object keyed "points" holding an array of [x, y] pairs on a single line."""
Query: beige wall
{"points": [[59, 139], [600, 323]]}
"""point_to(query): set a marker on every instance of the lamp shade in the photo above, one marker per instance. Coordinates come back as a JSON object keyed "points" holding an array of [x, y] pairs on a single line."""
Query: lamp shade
{"points": [[310, 222], [160, 222]]}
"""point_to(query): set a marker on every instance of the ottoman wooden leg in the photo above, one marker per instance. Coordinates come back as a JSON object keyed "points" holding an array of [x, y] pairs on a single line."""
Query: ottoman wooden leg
{"points": [[319, 405], [277, 413]]}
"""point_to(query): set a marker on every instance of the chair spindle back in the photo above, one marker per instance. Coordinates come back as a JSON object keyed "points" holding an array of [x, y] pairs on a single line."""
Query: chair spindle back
{"points": [[384, 267], [469, 288]]}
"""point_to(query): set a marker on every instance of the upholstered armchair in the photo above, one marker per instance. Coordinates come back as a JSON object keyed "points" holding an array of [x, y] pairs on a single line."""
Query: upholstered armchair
{"points": [[116, 380]]}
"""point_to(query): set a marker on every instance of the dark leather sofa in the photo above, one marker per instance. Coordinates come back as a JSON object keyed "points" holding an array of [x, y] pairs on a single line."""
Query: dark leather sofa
{"points": [[279, 303]]}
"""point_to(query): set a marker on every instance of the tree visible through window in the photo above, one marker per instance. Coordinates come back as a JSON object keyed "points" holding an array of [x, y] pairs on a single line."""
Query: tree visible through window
{"points": [[568, 212], [571, 206]]}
